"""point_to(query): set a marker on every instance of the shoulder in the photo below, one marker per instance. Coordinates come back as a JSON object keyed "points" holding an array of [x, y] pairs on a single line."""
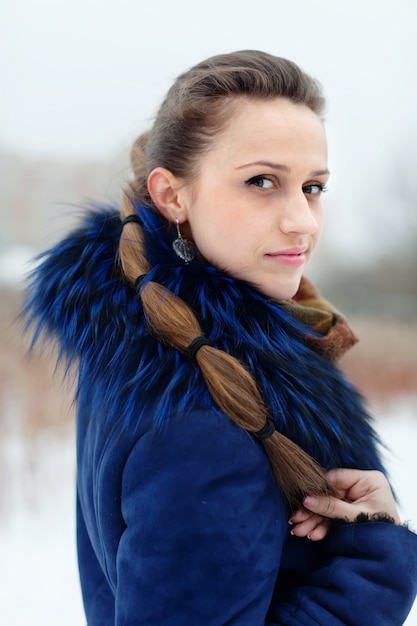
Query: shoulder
{"points": [[203, 437], [189, 446], [199, 456]]}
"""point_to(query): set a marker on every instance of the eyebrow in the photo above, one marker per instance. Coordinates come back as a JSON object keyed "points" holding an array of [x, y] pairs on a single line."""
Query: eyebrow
{"points": [[281, 167]]}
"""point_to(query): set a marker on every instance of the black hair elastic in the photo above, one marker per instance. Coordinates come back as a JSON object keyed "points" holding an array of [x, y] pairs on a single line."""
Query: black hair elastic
{"points": [[132, 218], [139, 281], [195, 345], [267, 431]]}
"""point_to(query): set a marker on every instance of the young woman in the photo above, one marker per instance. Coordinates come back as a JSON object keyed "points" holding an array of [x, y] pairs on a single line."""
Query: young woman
{"points": [[209, 405]]}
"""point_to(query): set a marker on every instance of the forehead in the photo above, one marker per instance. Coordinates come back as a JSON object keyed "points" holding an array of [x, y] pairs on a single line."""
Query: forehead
{"points": [[270, 130]]}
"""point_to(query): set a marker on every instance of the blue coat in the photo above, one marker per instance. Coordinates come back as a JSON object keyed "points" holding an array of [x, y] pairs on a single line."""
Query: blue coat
{"points": [[179, 519]]}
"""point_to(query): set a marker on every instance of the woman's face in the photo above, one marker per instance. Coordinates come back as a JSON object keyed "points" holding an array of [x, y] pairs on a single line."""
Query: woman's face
{"points": [[255, 210]]}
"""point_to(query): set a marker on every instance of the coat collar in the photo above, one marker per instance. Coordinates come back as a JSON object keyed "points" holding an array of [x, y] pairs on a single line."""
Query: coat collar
{"points": [[78, 296]]}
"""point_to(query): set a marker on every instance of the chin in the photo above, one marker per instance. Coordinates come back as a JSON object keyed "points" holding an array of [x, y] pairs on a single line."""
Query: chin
{"points": [[281, 292]]}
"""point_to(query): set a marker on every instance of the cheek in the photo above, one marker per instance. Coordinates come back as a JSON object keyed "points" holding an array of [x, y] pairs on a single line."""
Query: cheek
{"points": [[213, 218], [225, 240], [215, 237]]}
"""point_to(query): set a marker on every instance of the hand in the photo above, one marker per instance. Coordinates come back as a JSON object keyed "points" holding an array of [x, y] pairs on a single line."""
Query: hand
{"points": [[358, 491]]}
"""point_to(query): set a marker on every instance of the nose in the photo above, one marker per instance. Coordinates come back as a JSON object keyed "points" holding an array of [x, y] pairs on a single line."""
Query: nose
{"points": [[298, 216]]}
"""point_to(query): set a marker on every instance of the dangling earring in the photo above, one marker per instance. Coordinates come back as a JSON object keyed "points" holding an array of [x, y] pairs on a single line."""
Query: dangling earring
{"points": [[182, 247]]}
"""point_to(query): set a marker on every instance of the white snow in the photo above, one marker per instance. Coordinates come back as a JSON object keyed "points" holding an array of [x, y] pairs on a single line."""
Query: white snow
{"points": [[39, 580]]}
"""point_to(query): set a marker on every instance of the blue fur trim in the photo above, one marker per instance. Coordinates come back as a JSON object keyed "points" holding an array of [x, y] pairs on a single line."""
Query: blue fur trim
{"points": [[78, 297]]}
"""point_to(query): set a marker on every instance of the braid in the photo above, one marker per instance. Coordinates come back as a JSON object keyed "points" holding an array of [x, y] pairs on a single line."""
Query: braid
{"points": [[230, 384], [131, 255]]}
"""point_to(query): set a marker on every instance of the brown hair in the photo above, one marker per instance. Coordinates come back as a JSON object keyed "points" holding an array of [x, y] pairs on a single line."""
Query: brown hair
{"points": [[195, 110]]}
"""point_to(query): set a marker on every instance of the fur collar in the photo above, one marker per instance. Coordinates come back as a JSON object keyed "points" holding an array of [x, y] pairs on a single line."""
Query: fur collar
{"points": [[77, 296]]}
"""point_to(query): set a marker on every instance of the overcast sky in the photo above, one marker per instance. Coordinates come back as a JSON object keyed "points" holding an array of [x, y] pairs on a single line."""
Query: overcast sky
{"points": [[80, 78]]}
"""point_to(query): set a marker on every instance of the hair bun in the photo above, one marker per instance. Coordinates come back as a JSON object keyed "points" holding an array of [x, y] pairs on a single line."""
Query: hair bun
{"points": [[137, 155]]}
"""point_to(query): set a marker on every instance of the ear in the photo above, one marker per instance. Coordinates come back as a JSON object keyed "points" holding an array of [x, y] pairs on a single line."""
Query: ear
{"points": [[164, 189]]}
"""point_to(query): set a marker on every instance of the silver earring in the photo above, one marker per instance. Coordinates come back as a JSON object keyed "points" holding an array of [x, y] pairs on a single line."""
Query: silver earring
{"points": [[182, 247]]}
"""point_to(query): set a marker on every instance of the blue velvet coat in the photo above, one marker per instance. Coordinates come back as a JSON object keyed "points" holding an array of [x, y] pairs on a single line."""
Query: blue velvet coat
{"points": [[179, 518]]}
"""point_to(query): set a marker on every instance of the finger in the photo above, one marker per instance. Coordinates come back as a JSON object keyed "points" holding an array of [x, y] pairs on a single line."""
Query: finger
{"points": [[331, 507], [344, 478], [319, 532], [301, 515], [355, 483], [308, 526]]}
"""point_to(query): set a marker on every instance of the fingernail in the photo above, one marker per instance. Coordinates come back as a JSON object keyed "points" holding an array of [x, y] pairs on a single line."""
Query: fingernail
{"points": [[291, 522], [310, 502]]}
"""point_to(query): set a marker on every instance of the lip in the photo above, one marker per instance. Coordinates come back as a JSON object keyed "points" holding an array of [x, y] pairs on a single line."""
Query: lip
{"points": [[290, 256]]}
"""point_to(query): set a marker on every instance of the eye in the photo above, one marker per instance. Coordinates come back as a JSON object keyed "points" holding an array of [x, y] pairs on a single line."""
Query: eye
{"points": [[263, 182], [314, 189]]}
